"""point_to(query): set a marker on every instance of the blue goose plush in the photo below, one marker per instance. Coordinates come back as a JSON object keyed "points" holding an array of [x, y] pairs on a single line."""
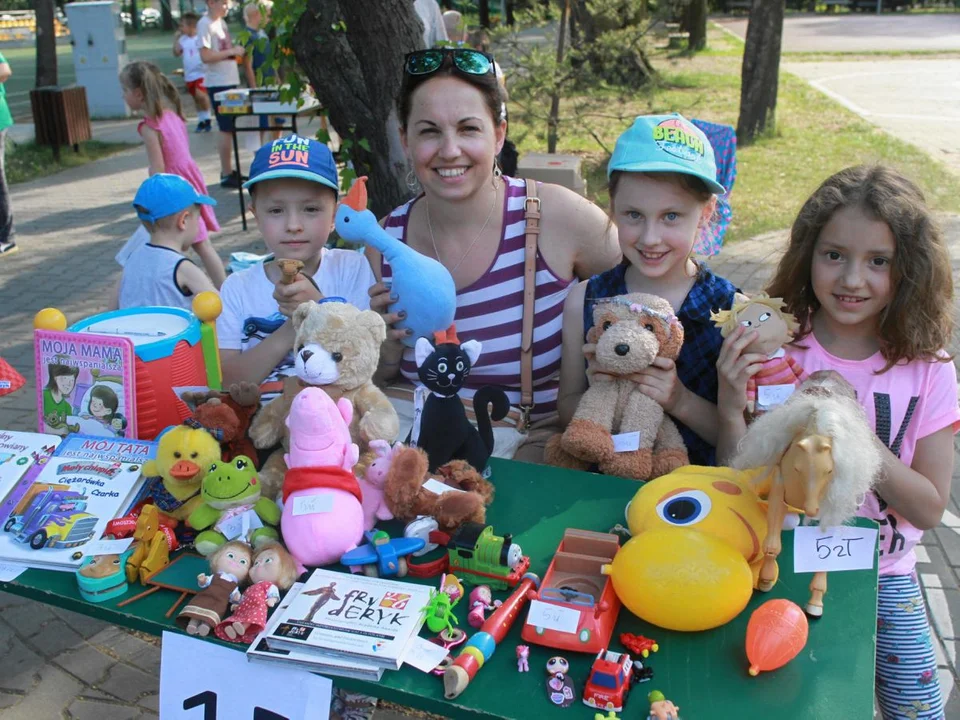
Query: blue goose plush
{"points": [[425, 288]]}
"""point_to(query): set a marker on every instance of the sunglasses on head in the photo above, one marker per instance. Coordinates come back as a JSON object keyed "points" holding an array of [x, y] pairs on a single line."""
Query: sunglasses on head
{"points": [[466, 60]]}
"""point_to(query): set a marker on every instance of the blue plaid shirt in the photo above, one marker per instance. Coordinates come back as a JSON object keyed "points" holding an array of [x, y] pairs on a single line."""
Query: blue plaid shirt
{"points": [[697, 364]]}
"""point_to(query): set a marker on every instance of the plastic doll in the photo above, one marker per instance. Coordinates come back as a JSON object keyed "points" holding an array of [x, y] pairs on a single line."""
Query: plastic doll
{"points": [[481, 600], [523, 658], [273, 571], [229, 567], [661, 708], [780, 374], [452, 586]]}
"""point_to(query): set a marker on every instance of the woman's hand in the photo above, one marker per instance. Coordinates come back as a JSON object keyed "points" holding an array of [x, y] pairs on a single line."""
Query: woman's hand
{"points": [[380, 299], [659, 382], [734, 368]]}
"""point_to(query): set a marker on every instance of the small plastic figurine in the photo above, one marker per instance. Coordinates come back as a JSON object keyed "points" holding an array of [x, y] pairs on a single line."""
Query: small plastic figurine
{"points": [[481, 600], [560, 689], [523, 658], [611, 715], [638, 644], [273, 571], [452, 586], [439, 612], [661, 708], [229, 567]]}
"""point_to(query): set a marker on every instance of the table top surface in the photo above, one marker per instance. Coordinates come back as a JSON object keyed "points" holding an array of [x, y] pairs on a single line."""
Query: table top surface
{"points": [[701, 672]]}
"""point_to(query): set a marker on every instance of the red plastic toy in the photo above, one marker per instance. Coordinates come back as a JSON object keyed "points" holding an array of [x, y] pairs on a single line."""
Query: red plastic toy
{"points": [[638, 644], [609, 682]]}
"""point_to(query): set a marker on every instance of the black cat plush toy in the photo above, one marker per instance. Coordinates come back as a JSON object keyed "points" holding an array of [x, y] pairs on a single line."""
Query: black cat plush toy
{"points": [[445, 433]]}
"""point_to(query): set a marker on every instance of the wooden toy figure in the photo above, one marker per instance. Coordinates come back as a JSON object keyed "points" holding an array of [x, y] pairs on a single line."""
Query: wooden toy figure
{"points": [[776, 634], [229, 567], [780, 373], [273, 571]]}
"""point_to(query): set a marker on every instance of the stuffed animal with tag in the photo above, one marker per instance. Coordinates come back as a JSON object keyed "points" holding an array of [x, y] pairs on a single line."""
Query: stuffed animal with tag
{"points": [[780, 373], [445, 433]]}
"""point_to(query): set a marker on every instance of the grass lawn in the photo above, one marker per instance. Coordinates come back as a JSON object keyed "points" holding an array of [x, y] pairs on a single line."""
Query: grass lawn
{"points": [[815, 137], [28, 161]]}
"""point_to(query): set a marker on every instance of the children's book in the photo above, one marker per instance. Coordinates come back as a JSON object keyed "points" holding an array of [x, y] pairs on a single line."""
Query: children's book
{"points": [[338, 665], [22, 454], [85, 384], [85, 483], [359, 617]]}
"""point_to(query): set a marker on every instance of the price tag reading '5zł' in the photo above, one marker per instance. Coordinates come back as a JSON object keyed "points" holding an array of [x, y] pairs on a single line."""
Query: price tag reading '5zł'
{"points": [[833, 549], [553, 617]]}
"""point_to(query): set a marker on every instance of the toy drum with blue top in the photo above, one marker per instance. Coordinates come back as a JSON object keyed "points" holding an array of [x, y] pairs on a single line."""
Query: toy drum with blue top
{"points": [[174, 349]]}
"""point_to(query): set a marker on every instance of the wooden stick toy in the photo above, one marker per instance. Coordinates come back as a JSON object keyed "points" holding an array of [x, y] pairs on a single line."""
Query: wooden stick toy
{"points": [[289, 269], [480, 648]]}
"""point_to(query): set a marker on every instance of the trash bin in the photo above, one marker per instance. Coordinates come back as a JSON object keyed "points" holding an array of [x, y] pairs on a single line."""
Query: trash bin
{"points": [[60, 116]]}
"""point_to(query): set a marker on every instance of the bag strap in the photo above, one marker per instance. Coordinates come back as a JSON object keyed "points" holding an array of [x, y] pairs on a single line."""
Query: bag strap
{"points": [[531, 210]]}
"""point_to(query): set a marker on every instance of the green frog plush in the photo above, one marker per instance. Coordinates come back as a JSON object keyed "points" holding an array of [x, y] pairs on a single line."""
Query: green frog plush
{"points": [[232, 507]]}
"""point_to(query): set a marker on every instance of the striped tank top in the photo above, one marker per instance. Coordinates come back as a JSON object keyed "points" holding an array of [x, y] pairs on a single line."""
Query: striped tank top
{"points": [[491, 311]]}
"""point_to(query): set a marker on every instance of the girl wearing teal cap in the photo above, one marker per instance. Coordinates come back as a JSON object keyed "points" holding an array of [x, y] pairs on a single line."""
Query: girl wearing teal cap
{"points": [[663, 189]]}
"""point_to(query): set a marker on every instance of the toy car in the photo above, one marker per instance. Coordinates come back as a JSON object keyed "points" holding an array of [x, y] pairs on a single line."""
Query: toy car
{"points": [[609, 682]]}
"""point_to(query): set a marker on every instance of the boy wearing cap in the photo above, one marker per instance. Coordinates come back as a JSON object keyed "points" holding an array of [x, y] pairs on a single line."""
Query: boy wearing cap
{"points": [[293, 188], [157, 273]]}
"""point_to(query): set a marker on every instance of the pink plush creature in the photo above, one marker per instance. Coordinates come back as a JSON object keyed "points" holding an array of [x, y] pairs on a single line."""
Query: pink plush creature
{"points": [[523, 658], [371, 484], [322, 513]]}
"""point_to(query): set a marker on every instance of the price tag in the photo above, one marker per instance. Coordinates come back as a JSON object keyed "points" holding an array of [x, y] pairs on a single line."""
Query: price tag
{"points": [[553, 617], [769, 396], [833, 549], [203, 681], [439, 488], [626, 442], [423, 654], [239, 526], [10, 571], [313, 505], [107, 547]]}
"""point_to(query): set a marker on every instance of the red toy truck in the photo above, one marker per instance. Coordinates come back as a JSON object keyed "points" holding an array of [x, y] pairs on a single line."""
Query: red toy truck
{"points": [[609, 682]]}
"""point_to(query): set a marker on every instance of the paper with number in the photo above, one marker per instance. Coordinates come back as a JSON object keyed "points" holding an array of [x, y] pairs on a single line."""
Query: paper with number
{"points": [[626, 442], [239, 526], [108, 547], [769, 396], [313, 504], [423, 654], [10, 571], [197, 675], [833, 549], [553, 617]]}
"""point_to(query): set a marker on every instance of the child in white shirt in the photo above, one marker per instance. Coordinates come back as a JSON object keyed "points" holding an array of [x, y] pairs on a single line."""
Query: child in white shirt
{"points": [[186, 45]]}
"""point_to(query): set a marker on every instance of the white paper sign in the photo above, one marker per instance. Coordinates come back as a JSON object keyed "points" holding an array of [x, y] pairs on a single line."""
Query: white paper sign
{"points": [[313, 504], [200, 680], [553, 617], [439, 488], [423, 654], [10, 571], [107, 547], [833, 549], [239, 526], [769, 396], [626, 442]]}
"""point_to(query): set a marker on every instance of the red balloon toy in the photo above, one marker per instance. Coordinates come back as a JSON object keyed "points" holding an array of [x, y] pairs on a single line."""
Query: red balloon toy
{"points": [[776, 634]]}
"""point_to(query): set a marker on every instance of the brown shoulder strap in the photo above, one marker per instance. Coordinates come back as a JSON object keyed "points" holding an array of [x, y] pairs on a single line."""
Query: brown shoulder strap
{"points": [[532, 216]]}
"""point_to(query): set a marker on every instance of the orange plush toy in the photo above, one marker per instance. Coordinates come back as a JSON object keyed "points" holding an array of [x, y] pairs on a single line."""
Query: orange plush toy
{"points": [[227, 416]]}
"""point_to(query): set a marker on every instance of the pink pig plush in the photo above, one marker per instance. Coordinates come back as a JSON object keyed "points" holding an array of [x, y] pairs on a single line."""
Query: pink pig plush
{"points": [[371, 484], [322, 515]]}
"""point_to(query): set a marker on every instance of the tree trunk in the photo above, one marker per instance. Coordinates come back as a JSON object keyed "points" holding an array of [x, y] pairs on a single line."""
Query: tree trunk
{"points": [[554, 119], [46, 44], [483, 6], [166, 17], [696, 25], [761, 68], [352, 52], [135, 15], [510, 19]]}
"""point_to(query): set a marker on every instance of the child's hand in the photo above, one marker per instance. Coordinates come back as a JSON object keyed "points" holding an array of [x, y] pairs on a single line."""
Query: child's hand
{"points": [[238, 50], [734, 368], [380, 298], [290, 297], [659, 381]]}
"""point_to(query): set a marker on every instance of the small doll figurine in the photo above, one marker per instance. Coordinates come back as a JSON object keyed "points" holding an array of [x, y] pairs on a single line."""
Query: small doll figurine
{"points": [[523, 658], [451, 585], [229, 566], [481, 600], [661, 708], [780, 373], [560, 688], [274, 570]]}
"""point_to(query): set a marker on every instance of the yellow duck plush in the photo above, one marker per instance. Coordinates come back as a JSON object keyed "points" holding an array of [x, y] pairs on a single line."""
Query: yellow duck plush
{"points": [[184, 455], [696, 548]]}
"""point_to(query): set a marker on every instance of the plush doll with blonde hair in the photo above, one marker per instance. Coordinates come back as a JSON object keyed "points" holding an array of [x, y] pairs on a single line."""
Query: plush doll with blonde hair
{"points": [[780, 374], [273, 571]]}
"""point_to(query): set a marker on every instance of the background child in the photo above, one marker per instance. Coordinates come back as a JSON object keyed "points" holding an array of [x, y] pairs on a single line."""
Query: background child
{"points": [[157, 273], [186, 45], [165, 137], [868, 276], [255, 15], [293, 189], [663, 187]]}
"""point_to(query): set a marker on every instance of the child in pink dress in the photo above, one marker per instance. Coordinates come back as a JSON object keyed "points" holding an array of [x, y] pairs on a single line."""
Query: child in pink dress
{"points": [[164, 134], [273, 571]]}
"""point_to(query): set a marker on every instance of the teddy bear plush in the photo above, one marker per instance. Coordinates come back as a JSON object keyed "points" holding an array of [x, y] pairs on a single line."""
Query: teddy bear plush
{"points": [[628, 333], [227, 416], [336, 348], [407, 498]]}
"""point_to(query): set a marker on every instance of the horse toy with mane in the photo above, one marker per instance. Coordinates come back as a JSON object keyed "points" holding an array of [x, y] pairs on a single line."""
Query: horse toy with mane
{"points": [[821, 458]]}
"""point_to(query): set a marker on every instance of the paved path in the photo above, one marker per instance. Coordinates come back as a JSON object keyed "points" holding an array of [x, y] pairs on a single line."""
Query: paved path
{"points": [[862, 32]]}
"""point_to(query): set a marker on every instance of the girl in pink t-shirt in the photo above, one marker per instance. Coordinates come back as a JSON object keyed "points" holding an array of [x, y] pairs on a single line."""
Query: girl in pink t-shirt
{"points": [[868, 277]]}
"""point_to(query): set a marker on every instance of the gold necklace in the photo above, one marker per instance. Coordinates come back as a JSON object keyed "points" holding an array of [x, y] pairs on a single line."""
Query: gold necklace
{"points": [[469, 247]]}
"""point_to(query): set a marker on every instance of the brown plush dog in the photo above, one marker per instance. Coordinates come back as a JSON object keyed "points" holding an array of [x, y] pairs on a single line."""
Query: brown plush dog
{"points": [[407, 498], [227, 416], [628, 333]]}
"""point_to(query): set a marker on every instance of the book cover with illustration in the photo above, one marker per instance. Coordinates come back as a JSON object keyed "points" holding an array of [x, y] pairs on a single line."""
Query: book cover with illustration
{"points": [[22, 454], [85, 483], [337, 665], [352, 615], [85, 384]]}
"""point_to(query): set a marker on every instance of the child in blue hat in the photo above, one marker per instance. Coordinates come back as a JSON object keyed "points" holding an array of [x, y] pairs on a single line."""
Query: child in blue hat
{"points": [[663, 188], [293, 189], [157, 272]]}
